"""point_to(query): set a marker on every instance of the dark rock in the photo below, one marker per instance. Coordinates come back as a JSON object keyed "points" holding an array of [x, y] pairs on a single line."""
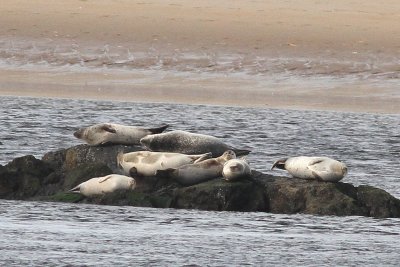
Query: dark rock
{"points": [[23, 177], [63, 197], [123, 198], [220, 195], [51, 178], [29, 165], [378, 202], [84, 172], [70, 158], [291, 195]]}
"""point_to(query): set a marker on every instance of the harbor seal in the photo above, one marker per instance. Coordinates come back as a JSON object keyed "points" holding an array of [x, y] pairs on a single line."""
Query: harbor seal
{"points": [[188, 143], [111, 133], [146, 163], [104, 185], [236, 169], [199, 172], [313, 168]]}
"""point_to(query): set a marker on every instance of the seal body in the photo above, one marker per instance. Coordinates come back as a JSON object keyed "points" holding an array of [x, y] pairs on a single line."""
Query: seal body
{"points": [[196, 173], [111, 133], [188, 143], [236, 169], [313, 168], [146, 163], [105, 185]]}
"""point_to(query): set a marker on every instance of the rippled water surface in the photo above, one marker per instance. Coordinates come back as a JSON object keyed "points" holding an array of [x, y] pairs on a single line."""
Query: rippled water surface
{"points": [[42, 234], [55, 234]]}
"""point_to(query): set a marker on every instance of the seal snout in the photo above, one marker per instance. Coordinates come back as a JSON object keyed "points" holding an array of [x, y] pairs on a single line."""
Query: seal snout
{"points": [[236, 168], [145, 141], [132, 184], [79, 133], [344, 170]]}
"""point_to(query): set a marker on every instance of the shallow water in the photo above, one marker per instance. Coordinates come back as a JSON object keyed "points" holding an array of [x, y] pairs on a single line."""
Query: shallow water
{"points": [[56, 234]]}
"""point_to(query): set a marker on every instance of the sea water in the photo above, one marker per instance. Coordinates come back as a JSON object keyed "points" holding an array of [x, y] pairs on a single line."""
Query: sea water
{"points": [[58, 234]]}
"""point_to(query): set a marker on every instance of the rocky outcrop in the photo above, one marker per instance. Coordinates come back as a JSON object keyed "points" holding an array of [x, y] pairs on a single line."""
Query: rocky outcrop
{"points": [[23, 177], [71, 158], [50, 178]]}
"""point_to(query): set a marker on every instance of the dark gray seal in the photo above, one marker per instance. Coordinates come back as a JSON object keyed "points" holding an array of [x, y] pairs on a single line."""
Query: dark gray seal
{"points": [[188, 143]]}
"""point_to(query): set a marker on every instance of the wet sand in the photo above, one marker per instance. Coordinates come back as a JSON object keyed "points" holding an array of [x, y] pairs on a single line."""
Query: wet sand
{"points": [[356, 31]]}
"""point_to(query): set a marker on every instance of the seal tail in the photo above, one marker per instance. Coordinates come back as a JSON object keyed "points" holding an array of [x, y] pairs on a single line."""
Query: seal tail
{"points": [[76, 189], [158, 129], [241, 152]]}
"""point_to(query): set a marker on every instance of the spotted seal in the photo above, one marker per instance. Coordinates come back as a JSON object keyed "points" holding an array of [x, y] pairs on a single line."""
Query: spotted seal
{"points": [[104, 185], [146, 163], [313, 168]]}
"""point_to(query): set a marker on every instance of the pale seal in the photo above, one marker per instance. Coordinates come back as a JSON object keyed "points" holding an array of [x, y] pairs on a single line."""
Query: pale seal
{"points": [[188, 143], [105, 185], [111, 133], [196, 173], [236, 169], [146, 163], [313, 168]]}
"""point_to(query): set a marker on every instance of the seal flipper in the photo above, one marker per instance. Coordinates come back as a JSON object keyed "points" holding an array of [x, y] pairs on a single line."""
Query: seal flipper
{"points": [[133, 172], [316, 176], [316, 161], [204, 157], [104, 179], [76, 189], [108, 128], [241, 152], [158, 129]]}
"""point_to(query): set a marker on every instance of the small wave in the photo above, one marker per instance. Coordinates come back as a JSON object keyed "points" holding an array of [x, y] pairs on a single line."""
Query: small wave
{"points": [[18, 53]]}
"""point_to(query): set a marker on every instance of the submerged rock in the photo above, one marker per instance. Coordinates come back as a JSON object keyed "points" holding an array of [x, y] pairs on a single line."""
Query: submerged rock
{"points": [[50, 179]]}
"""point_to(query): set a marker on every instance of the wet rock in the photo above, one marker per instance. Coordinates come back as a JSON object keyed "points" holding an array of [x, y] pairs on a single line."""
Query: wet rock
{"points": [[23, 177], [63, 197], [378, 202], [70, 158], [83, 173], [50, 179], [291, 195], [220, 195]]}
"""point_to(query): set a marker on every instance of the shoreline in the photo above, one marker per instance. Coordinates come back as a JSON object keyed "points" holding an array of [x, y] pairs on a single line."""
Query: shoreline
{"points": [[169, 87], [358, 62], [174, 102]]}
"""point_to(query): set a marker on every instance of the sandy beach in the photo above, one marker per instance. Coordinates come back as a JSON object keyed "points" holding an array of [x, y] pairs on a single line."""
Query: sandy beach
{"points": [[331, 56]]}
